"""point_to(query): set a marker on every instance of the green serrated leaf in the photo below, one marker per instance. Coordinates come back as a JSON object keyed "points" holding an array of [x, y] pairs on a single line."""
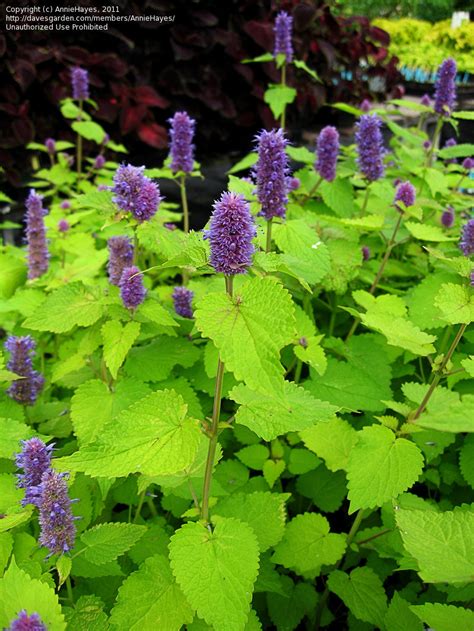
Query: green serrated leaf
{"points": [[445, 617], [425, 232], [288, 609], [278, 97], [456, 303], [89, 130], [362, 592], [106, 542], [118, 340], [332, 441]]}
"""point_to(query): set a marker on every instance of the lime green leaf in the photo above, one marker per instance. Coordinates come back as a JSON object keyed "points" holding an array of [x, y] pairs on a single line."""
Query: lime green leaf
{"points": [[87, 615], [302, 461], [89, 130], [332, 441], [149, 599], [155, 361], [308, 544], [68, 306], [299, 63], [94, 405], [420, 301], [13, 275], [425, 232], [466, 460], [278, 97], [19, 591], [285, 408], [399, 617], [216, 570], [118, 340], [456, 303], [152, 437], [260, 58], [105, 542], [381, 467], [327, 490], [254, 456], [441, 543], [249, 329], [263, 511], [448, 413], [362, 592], [468, 365], [152, 310], [247, 162], [272, 470], [464, 150], [313, 354], [301, 154], [286, 611], [339, 196], [12, 432], [465, 115], [445, 617], [63, 567]]}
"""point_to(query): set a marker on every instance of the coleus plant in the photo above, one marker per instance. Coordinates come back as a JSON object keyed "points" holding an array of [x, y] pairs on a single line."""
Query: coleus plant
{"points": [[261, 425]]}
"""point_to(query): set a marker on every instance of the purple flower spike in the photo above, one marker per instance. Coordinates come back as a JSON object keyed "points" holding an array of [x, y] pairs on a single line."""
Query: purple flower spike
{"points": [[24, 622], [231, 232], [182, 300], [120, 257], [34, 459], [425, 100], [63, 225], [370, 146], [135, 193], [365, 106], [181, 147], [445, 87], [55, 517], [405, 193], [327, 149], [99, 162], [80, 84], [283, 34], [468, 164], [365, 252], [447, 218], [466, 244], [27, 389], [38, 255], [50, 145], [132, 291], [271, 172]]}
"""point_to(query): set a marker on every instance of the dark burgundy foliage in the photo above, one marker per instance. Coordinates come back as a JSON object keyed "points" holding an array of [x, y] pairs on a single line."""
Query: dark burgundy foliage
{"points": [[141, 73]]}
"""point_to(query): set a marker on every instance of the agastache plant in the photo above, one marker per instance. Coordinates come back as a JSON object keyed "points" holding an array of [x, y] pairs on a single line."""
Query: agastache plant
{"points": [[26, 389], [120, 256], [58, 532], [182, 155], [444, 100], [327, 151], [283, 30], [182, 301], [370, 148], [37, 245], [131, 286], [80, 93], [135, 193], [466, 243], [35, 460], [270, 174], [25, 622]]}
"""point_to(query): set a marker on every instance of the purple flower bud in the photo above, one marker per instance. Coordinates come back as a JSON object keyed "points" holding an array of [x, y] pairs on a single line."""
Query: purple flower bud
{"points": [[131, 286], [103, 187], [365, 252], [65, 204], [22, 351], [136, 193], [451, 142], [80, 83], [468, 164], [425, 100], [38, 254], [271, 172], [170, 226], [182, 300], [466, 244], [34, 459], [231, 232], [63, 225], [445, 87], [365, 106], [397, 181], [58, 532], [50, 145], [327, 149], [303, 342], [99, 162], [370, 146], [293, 183], [120, 257], [427, 145], [106, 139], [181, 147], [447, 218], [24, 622], [405, 193], [283, 34]]}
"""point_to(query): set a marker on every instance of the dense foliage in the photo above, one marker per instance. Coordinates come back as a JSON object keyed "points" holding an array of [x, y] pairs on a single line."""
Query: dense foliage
{"points": [[260, 425]]}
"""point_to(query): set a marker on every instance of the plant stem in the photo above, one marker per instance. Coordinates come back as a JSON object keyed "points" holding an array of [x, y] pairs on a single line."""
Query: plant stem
{"points": [[352, 533], [184, 203], [388, 251], [298, 369], [268, 246], [314, 189], [69, 590], [283, 82], [439, 373], [366, 199], [135, 246], [216, 412], [435, 141], [79, 147], [139, 507], [151, 506]]}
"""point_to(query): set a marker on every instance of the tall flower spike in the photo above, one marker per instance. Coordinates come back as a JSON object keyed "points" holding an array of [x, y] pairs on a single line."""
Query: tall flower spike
{"points": [[135, 193], [35, 460], [230, 234], [327, 150], [182, 300], [271, 172], [26, 622], [25, 390], [283, 35], [445, 87], [447, 218], [120, 257], [181, 146], [131, 286], [58, 532], [79, 83], [370, 146], [466, 244], [405, 193], [38, 255]]}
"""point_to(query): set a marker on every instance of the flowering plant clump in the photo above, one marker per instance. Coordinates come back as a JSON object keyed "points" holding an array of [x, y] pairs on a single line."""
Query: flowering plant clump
{"points": [[263, 422]]}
